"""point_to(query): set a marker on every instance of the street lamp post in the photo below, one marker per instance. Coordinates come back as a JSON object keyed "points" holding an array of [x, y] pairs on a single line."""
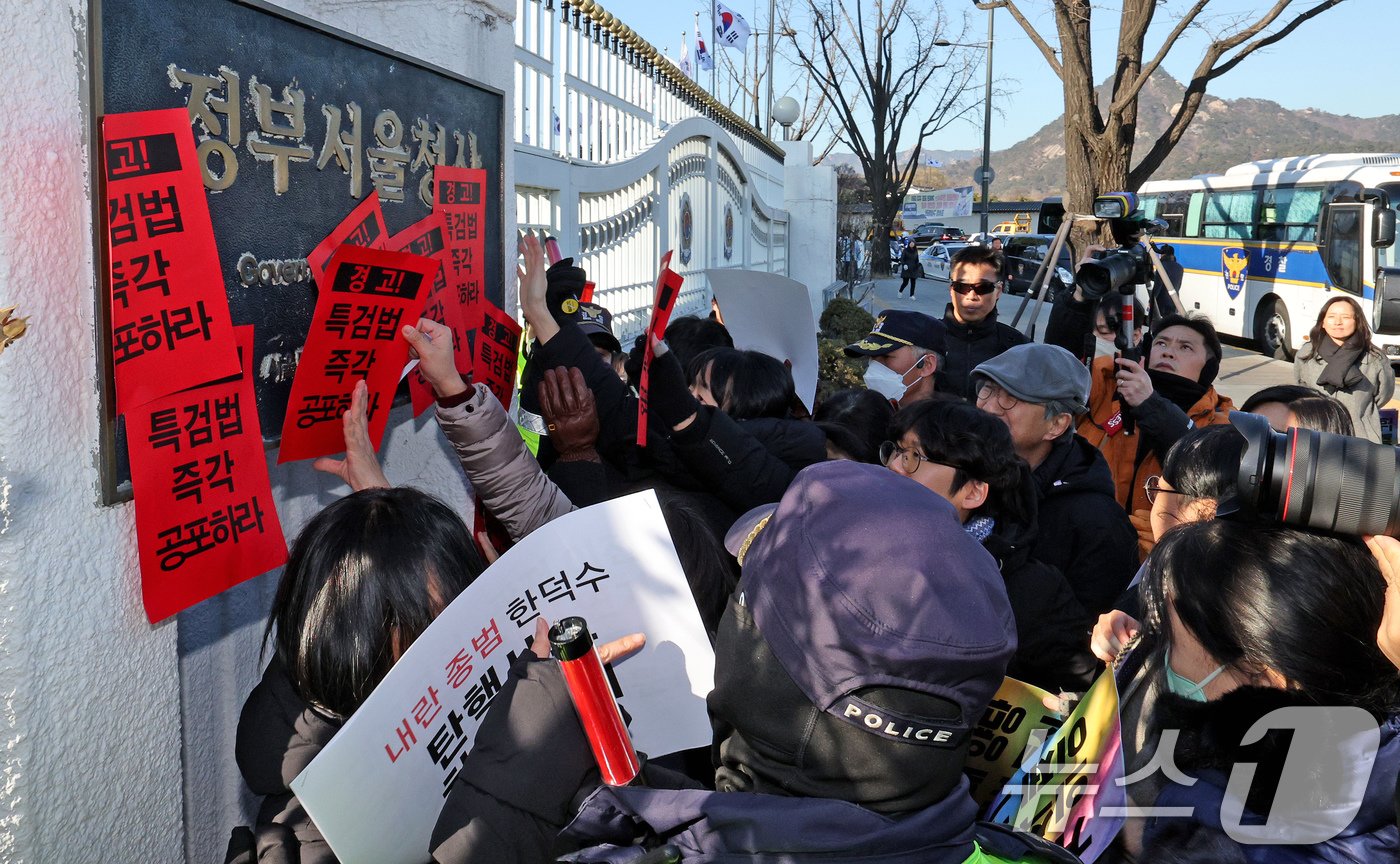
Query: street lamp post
{"points": [[984, 174], [987, 126]]}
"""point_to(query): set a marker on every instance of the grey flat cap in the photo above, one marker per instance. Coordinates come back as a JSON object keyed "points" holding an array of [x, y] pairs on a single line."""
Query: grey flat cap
{"points": [[1038, 373]]}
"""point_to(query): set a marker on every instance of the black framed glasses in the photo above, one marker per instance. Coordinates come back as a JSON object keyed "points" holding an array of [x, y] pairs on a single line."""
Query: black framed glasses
{"points": [[909, 460], [983, 287]]}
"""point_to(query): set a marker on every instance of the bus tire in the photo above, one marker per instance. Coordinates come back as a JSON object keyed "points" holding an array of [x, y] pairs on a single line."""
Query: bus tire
{"points": [[1272, 330]]}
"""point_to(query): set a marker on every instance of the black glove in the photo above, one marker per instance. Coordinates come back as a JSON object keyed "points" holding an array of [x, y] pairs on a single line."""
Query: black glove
{"points": [[633, 364], [565, 282], [668, 397]]}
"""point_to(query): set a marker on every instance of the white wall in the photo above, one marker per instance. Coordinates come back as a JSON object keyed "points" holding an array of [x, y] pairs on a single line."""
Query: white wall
{"points": [[97, 708], [810, 198]]}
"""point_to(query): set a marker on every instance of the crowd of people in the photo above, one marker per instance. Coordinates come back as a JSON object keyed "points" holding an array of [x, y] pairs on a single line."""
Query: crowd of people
{"points": [[986, 507]]}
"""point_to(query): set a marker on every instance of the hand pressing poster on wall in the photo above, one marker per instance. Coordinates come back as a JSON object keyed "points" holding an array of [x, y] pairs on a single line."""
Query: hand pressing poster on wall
{"points": [[171, 328], [425, 238], [205, 518], [355, 334], [376, 789]]}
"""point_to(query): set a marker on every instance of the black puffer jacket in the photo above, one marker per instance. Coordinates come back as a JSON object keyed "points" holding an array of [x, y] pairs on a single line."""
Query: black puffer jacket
{"points": [[967, 345], [1084, 532], [278, 735], [1052, 642]]}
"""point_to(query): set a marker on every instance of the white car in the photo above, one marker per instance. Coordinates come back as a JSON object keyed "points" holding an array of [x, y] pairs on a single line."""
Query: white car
{"points": [[937, 259]]}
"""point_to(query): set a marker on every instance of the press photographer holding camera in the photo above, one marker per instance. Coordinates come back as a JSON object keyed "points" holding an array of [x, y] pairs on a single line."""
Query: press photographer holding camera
{"points": [[1139, 405]]}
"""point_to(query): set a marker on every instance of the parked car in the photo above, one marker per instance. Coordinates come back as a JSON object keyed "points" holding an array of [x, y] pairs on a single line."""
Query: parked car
{"points": [[952, 233], [981, 239], [1024, 252], [937, 260], [929, 232]]}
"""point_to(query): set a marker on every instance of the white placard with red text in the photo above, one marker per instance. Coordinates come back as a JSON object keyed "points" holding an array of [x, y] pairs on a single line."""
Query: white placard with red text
{"points": [[375, 791]]}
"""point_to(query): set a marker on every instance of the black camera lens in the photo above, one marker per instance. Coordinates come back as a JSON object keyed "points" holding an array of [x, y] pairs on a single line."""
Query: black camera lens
{"points": [[1317, 479], [1109, 273]]}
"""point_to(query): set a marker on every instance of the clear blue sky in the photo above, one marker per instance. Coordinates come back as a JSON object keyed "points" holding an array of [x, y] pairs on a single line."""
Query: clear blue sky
{"points": [[1341, 61]]}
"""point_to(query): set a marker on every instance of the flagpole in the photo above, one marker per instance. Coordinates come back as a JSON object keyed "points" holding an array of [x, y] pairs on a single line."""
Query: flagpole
{"points": [[714, 37]]}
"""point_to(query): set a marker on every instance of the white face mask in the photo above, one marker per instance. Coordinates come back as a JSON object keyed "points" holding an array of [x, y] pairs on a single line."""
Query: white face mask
{"points": [[1104, 347], [887, 382]]}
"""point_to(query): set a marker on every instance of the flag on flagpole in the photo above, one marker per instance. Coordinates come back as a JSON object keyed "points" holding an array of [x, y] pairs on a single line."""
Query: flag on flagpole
{"points": [[731, 30], [703, 58], [556, 121], [934, 163], [685, 56]]}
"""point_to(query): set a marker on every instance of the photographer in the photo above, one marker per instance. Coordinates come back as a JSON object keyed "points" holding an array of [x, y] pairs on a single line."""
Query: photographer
{"points": [[1138, 410]]}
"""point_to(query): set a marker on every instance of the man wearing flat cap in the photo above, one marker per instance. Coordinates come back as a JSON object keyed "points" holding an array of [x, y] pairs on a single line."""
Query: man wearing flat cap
{"points": [[905, 350], [1038, 391]]}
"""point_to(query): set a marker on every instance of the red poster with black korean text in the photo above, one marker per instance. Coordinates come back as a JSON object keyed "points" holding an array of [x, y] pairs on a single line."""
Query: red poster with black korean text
{"points": [[460, 197], [497, 349], [205, 518], [368, 295], [364, 227], [170, 321], [425, 238], [668, 288]]}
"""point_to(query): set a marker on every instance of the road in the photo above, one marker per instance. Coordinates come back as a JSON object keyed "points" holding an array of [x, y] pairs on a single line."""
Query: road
{"points": [[1242, 369]]}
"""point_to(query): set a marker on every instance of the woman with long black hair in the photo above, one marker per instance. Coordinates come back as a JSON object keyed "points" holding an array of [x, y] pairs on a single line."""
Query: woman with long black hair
{"points": [[1340, 361]]}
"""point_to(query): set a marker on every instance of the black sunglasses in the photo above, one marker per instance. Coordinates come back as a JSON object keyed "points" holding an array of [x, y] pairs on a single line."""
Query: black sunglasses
{"points": [[983, 288]]}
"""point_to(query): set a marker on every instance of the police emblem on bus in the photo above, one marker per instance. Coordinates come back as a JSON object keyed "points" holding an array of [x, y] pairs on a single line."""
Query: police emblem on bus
{"points": [[1234, 265]]}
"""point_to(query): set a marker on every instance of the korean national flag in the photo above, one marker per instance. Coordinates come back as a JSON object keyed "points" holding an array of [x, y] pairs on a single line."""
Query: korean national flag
{"points": [[703, 58], [731, 30]]}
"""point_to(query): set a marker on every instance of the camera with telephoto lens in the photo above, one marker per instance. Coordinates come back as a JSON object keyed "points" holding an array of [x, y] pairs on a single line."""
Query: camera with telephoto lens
{"points": [[1317, 479], [1125, 267]]}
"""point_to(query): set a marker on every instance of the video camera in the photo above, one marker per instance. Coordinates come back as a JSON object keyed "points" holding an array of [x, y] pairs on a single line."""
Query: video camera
{"points": [[1129, 265]]}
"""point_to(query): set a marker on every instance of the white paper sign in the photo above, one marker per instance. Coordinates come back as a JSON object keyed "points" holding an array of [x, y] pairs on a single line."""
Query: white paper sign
{"points": [[773, 314], [375, 791]]}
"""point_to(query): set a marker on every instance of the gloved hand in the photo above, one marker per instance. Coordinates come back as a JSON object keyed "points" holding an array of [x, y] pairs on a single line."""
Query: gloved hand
{"points": [[565, 282], [568, 407], [668, 396]]}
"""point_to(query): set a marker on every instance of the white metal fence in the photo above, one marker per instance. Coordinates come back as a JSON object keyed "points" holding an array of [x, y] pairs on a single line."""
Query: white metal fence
{"points": [[622, 157]]}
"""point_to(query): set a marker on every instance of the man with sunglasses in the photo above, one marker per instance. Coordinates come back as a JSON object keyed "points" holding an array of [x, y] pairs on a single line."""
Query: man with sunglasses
{"points": [[973, 334]]}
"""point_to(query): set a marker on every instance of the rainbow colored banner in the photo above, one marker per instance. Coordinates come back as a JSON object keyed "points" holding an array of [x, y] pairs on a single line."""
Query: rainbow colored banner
{"points": [[1062, 789]]}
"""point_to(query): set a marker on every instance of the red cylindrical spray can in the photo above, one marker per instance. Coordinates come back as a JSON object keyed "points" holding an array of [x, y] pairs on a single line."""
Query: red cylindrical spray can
{"points": [[570, 642]]}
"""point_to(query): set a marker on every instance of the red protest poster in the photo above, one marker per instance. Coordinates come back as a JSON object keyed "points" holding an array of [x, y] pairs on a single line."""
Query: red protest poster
{"points": [[461, 199], [205, 518], [425, 238], [497, 347], [363, 227], [170, 322], [369, 295], [668, 288]]}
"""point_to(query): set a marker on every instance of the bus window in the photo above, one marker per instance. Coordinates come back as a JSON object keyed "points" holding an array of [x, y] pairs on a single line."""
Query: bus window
{"points": [[1230, 214], [1193, 215], [1170, 207], [1290, 214]]}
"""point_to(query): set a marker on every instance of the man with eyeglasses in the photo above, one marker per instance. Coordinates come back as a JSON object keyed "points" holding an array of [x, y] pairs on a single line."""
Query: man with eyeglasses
{"points": [[966, 456], [974, 335], [1037, 391]]}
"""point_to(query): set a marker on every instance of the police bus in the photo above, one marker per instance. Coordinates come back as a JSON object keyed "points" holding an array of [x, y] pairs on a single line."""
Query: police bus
{"points": [[1264, 244]]}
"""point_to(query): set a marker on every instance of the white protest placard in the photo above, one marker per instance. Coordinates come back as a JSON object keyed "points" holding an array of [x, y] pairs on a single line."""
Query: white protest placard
{"points": [[773, 314], [375, 791]]}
